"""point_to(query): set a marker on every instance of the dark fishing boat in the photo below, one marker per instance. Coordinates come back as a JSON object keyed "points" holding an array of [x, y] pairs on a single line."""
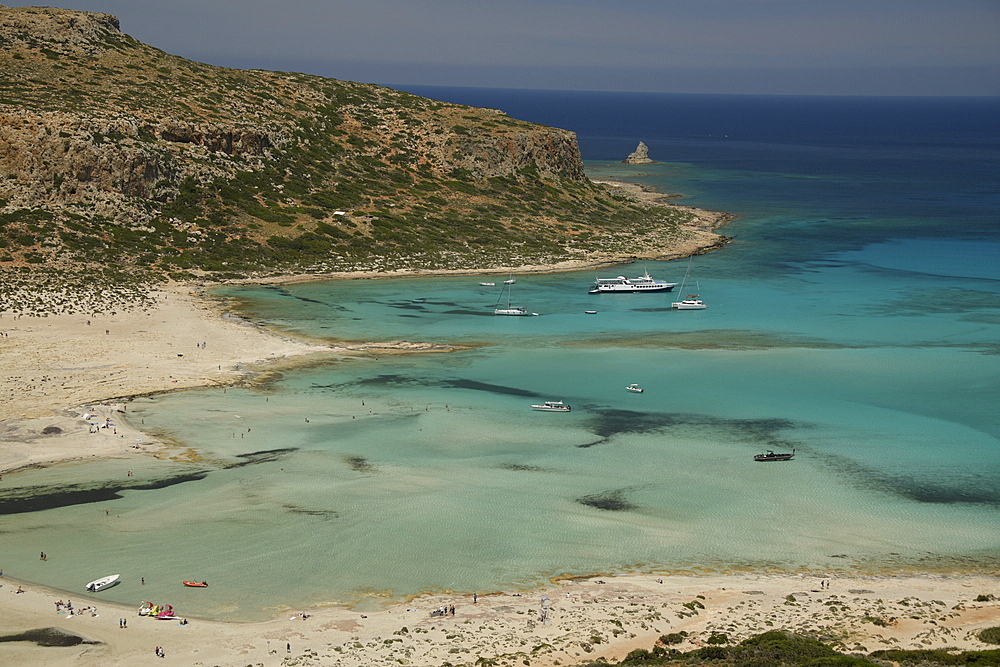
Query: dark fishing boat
{"points": [[771, 456]]}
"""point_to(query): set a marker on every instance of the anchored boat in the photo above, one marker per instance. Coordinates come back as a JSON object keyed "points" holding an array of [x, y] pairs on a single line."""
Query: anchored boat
{"points": [[771, 456], [552, 406], [643, 283]]}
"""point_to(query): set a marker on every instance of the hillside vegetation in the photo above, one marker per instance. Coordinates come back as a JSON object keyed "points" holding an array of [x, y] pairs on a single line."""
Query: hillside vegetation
{"points": [[119, 162]]}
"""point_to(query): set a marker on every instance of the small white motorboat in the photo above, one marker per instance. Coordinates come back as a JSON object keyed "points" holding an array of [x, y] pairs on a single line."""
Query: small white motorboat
{"points": [[636, 388], [590, 312], [487, 284], [552, 406], [510, 281], [102, 583]]}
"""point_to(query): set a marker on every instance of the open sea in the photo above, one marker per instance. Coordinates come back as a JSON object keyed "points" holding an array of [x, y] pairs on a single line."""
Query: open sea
{"points": [[855, 319]]}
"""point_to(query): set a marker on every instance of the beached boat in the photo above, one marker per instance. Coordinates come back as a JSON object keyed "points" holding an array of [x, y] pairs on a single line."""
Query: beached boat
{"points": [[771, 456], [103, 582], [643, 283], [166, 613], [196, 584], [146, 608], [552, 406], [634, 387], [498, 308]]}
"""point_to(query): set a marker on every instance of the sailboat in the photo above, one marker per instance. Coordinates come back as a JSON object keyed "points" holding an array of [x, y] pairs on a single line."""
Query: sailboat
{"points": [[691, 301], [498, 309]]}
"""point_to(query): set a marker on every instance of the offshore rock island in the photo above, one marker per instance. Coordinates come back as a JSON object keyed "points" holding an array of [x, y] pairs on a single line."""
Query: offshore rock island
{"points": [[640, 155]]}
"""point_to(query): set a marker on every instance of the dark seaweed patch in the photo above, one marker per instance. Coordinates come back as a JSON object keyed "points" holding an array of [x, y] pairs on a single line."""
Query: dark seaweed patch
{"points": [[391, 380], [47, 637], [38, 498], [263, 456], [284, 292], [485, 313], [322, 514], [612, 501], [968, 488], [491, 388], [360, 464], [652, 310], [607, 423], [408, 306], [520, 467]]}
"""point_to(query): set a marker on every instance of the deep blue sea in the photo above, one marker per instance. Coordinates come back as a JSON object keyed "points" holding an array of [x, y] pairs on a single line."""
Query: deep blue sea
{"points": [[855, 319]]}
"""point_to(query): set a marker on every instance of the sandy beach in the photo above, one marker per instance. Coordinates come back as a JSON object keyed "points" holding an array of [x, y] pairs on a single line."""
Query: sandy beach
{"points": [[567, 623], [66, 376]]}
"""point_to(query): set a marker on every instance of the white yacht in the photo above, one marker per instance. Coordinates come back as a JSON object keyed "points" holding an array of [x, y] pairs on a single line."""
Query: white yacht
{"points": [[552, 406], [690, 302], [643, 283]]}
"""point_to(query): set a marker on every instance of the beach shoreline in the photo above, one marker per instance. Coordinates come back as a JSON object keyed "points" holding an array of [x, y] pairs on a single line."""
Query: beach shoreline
{"points": [[65, 396], [569, 622], [61, 367]]}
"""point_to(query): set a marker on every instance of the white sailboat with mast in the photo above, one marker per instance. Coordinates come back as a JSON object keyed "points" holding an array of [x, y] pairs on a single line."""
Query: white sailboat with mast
{"points": [[691, 301], [499, 309]]}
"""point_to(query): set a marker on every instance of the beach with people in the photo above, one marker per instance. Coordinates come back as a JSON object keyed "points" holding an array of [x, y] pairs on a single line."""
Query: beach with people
{"points": [[568, 622], [67, 388]]}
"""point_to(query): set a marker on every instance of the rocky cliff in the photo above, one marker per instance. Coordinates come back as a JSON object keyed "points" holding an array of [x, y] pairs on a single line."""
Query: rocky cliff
{"points": [[112, 151]]}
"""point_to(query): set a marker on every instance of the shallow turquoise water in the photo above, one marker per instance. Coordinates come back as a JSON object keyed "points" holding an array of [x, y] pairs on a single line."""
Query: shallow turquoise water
{"points": [[855, 318], [429, 471]]}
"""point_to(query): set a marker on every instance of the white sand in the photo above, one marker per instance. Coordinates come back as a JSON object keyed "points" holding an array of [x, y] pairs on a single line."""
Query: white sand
{"points": [[586, 620]]}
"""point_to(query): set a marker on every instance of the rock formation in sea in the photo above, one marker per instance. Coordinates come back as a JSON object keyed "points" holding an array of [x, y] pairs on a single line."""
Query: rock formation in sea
{"points": [[639, 156]]}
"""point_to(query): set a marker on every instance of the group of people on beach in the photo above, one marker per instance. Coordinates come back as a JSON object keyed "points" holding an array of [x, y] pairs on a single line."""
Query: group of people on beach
{"points": [[444, 611]]}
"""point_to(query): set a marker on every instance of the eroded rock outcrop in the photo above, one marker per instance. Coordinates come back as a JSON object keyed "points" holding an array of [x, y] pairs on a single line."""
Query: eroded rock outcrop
{"points": [[639, 156]]}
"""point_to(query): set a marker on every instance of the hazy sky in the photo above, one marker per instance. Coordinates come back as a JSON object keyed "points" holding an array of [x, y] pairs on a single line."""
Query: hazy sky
{"points": [[865, 47]]}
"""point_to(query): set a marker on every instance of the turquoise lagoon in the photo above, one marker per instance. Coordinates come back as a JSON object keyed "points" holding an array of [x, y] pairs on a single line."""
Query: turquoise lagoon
{"points": [[863, 331]]}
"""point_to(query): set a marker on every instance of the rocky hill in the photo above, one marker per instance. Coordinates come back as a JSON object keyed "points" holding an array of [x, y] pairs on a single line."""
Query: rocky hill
{"points": [[118, 159]]}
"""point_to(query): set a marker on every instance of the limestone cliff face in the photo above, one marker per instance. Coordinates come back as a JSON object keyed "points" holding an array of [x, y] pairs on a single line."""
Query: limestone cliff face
{"points": [[126, 121], [59, 158]]}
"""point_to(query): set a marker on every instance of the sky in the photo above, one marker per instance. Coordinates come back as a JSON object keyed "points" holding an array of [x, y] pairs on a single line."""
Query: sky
{"points": [[806, 47]]}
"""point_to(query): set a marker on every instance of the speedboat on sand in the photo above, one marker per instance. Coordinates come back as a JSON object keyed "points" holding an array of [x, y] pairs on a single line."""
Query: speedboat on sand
{"points": [[102, 583]]}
